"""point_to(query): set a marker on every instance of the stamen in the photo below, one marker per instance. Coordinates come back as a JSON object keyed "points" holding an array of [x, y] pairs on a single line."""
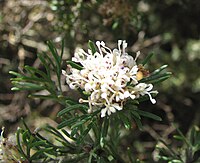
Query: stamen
{"points": [[119, 45], [137, 55], [124, 46]]}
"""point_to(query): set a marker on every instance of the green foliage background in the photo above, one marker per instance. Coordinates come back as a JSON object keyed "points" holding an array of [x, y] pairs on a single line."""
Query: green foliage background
{"points": [[169, 28]]}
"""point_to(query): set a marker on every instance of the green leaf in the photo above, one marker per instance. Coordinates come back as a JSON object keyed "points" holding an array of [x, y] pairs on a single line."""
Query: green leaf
{"points": [[42, 96], [37, 143], [38, 154], [15, 73], [25, 138], [26, 86], [155, 77], [91, 46], [85, 132], [147, 58], [125, 120], [74, 65], [138, 122], [68, 135], [194, 136], [161, 79], [34, 70], [149, 115], [157, 71], [29, 79], [45, 63], [25, 125], [75, 132], [62, 49], [178, 137], [54, 53], [72, 107], [184, 138], [135, 114], [68, 122], [115, 25], [55, 132], [79, 123], [105, 126], [19, 143]]}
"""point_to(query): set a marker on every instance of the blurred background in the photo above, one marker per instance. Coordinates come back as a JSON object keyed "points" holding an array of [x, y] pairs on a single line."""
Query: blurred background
{"points": [[169, 28]]}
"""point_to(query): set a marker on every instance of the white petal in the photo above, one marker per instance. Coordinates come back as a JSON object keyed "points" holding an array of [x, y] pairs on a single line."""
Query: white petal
{"points": [[117, 106], [112, 109], [126, 94], [103, 112], [104, 95], [64, 72], [117, 98], [133, 97], [88, 87], [73, 85], [108, 112], [121, 95]]}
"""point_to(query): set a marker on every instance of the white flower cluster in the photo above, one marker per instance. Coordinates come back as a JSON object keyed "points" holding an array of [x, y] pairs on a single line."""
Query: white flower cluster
{"points": [[109, 77]]}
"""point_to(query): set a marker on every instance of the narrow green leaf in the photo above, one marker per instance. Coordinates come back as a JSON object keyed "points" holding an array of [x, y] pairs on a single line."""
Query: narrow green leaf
{"points": [[79, 123], [45, 64], [178, 137], [25, 125], [157, 71], [42, 74], [138, 122], [170, 150], [149, 115], [181, 134], [68, 122], [42, 96], [62, 49], [25, 138], [68, 135], [19, 144], [38, 154], [57, 60], [54, 52], [27, 86], [72, 107], [125, 120], [74, 65], [160, 79], [115, 25], [92, 47], [29, 79], [84, 134], [37, 143], [147, 58], [105, 127], [135, 114], [15, 89], [58, 134], [75, 132], [15, 73], [155, 77]]}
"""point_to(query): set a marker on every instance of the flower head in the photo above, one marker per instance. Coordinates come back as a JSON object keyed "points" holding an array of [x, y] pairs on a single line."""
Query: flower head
{"points": [[109, 77]]}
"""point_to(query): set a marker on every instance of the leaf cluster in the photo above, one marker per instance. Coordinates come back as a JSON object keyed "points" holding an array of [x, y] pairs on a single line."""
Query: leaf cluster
{"points": [[188, 152]]}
